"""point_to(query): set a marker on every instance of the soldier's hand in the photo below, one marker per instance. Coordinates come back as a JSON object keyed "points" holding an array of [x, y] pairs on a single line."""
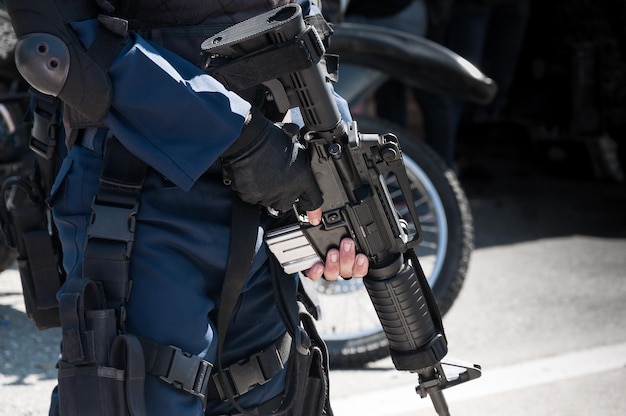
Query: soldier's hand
{"points": [[343, 262], [267, 166]]}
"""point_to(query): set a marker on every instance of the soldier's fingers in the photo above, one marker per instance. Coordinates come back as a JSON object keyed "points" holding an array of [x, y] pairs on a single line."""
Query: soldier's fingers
{"points": [[346, 257], [315, 216], [332, 266], [315, 272], [361, 266]]}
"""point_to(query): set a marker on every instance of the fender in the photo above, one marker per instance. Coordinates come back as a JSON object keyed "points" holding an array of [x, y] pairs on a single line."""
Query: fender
{"points": [[415, 61]]}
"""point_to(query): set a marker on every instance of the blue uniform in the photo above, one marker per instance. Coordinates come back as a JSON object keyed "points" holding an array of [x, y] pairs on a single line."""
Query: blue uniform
{"points": [[177, 267], [178, 120]]}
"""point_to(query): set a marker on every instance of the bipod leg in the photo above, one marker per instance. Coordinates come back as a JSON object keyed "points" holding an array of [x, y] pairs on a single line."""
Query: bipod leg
{"points": [[434, 380], [430, 384]]}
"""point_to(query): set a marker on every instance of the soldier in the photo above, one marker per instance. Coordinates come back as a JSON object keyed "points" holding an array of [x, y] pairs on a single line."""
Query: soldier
{"points": [[150, 137]]}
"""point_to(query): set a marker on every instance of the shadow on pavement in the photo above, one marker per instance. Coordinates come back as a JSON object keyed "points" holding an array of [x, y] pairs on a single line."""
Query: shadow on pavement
{"points": [[518, 192], [26, 354]]}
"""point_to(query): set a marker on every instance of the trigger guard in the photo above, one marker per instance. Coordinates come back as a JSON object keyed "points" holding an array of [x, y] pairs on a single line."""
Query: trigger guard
{"points": [[44, 62]]}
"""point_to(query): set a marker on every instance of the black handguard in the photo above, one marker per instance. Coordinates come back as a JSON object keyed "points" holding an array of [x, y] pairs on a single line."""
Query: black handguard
{"points": [[267, 165]]}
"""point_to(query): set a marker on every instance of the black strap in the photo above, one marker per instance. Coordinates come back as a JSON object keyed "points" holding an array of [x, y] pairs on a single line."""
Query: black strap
{"points": [[111, 232], [411, 255], [107, 43], [126, 353], [245, 223]]}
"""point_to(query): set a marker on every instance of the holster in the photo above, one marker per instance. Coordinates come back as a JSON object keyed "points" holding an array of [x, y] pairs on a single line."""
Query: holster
{"points": [[26, 223], [311, 361], [100, 373]]}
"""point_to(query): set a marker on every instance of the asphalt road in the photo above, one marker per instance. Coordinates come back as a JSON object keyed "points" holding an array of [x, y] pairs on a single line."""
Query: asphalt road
{"points": [[543, 309]]}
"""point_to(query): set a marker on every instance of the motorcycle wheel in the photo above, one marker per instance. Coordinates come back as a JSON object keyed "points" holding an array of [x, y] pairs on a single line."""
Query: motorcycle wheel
{"points": [[348, 321]]}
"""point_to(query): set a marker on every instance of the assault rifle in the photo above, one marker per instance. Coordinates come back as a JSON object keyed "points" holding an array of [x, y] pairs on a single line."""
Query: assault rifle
{"points": [[286, 53]]}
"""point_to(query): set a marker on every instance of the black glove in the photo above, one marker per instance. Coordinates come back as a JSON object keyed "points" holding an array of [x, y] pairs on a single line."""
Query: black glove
{"points": [[268, 166]]}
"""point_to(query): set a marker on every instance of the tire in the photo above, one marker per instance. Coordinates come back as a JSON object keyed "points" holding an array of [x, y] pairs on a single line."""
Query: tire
{"points": [[348, 322]]}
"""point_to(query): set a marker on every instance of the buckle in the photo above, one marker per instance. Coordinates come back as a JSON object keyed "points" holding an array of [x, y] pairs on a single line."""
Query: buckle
{"points": [[244, 375], [42, 140], [188, 372], [42, 149], [114, 223]]}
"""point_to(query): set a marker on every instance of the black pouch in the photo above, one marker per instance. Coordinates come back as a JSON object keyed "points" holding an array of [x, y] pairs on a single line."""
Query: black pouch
{"points": [[99, 390], [91, 390]]}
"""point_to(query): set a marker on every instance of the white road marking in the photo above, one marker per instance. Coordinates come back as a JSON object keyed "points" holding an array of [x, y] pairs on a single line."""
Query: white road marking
{"points": [[400, 400]]}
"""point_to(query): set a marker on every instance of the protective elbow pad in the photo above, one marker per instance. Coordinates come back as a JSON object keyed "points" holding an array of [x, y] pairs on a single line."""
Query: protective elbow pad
{"points": [[44, 62], [52, 60]]}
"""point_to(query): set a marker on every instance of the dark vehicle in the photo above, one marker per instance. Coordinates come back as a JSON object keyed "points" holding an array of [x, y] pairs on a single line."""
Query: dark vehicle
{"points": [[567, 101]]}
